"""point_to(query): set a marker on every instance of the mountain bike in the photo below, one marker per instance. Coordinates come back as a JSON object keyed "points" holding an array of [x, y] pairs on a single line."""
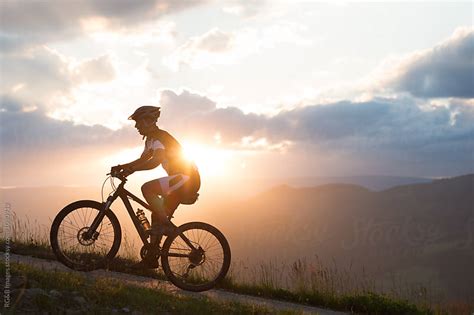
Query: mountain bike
{"points": [[86, 235]]}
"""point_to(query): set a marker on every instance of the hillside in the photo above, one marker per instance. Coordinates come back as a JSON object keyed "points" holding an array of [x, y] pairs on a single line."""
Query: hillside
{"points": [[421, 233]]}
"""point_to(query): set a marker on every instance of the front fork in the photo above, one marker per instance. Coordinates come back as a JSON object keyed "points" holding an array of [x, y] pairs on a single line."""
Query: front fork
{"points": [[91, 232]]}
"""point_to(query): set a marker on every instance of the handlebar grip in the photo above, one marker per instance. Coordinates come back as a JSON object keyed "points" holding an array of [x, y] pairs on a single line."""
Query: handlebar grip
{"points": [[118, 175]]}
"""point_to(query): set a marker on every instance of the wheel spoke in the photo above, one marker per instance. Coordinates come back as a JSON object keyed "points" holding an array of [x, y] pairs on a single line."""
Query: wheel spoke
{"points": [[199, 268], [72, 246]]}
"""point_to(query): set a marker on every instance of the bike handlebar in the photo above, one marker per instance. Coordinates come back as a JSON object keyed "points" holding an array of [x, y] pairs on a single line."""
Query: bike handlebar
{"points": [[117, 175]]}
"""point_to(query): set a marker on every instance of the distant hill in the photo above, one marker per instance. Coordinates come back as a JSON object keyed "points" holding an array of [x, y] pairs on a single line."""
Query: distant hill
{"points": [[422, 232], [251, 186], [372, 182]]}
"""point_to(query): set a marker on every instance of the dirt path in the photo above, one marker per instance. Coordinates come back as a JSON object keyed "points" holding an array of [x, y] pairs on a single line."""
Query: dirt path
{"points": [[218, 295]]}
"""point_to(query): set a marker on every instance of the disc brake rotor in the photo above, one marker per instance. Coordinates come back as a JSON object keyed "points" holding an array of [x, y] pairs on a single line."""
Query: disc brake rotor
{"points": [[82, 239]]}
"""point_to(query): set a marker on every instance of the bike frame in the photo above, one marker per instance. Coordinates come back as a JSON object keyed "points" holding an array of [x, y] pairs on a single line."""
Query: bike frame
{"points": [[125, 195]]}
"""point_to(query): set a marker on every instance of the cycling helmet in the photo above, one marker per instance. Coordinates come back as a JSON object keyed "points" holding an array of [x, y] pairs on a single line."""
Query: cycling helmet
{"points": [[146, 111]]}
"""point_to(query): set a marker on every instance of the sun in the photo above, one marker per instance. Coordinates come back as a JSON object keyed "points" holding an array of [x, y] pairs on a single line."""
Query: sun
{"points": [[211, 161]]}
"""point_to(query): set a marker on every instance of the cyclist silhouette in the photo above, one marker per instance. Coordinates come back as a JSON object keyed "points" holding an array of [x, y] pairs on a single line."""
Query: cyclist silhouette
{"points": [[166, 193], [194, 256]]}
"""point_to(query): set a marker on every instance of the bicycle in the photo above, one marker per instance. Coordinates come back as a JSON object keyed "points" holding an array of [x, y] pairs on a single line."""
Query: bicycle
{"points": [[86, 235]]}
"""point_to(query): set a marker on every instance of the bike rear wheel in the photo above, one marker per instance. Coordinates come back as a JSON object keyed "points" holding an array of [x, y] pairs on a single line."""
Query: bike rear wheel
{"points": [[71, 246], [200, 267]]}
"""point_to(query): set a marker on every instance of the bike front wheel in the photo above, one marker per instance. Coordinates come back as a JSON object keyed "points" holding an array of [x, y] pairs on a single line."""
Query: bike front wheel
{"points": [[197, 257], [70, 244]]}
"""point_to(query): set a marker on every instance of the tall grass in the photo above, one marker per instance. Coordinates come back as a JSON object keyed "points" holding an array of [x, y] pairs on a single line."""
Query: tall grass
{"points": [[312, 275], [305, 280], [313, 282], [26, 231]]}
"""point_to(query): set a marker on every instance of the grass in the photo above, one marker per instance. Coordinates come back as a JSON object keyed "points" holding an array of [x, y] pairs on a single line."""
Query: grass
{"points": [[367, 303], [104, 295], [311, 283]]}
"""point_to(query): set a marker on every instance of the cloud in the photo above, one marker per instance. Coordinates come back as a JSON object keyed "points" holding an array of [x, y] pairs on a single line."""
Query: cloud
{"points": [[213, 41], [39, 150], [186, 104], [199, 51], [383, 128], [44, 77], [216, 47], [256, 9], [191, 113], [381, 119], [11, 43], [33, 131], [162, 32], [42, 74], [246, 9], [26, 23], [446, 70], [99, 69], [377, 135]]}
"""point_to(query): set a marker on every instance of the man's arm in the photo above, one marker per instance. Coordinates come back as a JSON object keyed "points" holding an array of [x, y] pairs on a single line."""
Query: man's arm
{"points": [[151, 157], [150, 161], [146, 155]]}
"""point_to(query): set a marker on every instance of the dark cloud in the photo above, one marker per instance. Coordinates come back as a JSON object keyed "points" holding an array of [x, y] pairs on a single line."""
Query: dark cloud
{"points": [[332, 122], [377, 129], [446, 70], [378, 121], [194, 114], [10, 43], [31, 131], [37, 22]]}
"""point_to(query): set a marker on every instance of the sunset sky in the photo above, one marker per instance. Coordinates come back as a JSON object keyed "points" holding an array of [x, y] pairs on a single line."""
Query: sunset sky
{"points": [[250, 88]]}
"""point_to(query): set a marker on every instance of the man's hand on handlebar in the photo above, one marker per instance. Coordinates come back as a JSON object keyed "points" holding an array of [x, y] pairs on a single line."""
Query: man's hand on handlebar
{"points": [[127, 171], [115, 170], [120, 170]]}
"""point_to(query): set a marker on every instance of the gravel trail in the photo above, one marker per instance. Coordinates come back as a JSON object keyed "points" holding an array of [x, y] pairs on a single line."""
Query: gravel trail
{"points": [[217, 295]]}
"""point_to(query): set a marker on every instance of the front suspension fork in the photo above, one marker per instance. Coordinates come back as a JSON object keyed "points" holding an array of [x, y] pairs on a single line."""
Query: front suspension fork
{"points": [[91, 233]]}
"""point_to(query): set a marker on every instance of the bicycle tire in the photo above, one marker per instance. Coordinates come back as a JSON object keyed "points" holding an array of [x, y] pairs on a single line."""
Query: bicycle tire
{"points": [[58, 227], [201, 284]]}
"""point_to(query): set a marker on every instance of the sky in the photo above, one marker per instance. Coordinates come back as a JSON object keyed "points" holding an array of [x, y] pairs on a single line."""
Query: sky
{"points": [[250, 88]]}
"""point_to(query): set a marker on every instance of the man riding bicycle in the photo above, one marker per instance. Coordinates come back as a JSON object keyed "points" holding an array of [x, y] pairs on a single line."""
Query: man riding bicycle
{"points": [[86, 234], [166, 193]]}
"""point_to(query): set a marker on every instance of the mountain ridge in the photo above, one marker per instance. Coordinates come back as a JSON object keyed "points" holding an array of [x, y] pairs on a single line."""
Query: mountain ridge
{"points": [[466, 181]]}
